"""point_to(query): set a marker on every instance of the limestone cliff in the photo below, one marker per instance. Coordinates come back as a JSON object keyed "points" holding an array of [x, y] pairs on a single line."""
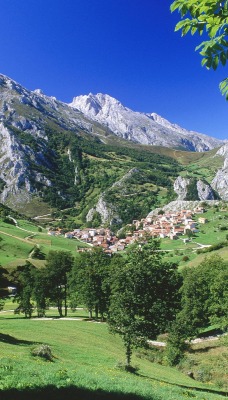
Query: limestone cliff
{"points": [[220, 182], [192, 189]]}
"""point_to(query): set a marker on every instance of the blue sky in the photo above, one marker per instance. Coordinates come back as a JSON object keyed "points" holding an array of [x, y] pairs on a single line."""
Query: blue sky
{"points": [[125, 48]]}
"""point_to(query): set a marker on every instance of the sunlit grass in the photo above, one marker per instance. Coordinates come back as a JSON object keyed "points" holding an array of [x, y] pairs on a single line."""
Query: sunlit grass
{"points": [[86, 355]]}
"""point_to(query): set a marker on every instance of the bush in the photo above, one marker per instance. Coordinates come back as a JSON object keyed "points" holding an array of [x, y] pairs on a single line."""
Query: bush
{"points": [[43, 351], [176, 345], [203, 375]]}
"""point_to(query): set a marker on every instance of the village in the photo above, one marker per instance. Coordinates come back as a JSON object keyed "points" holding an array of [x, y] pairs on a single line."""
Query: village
{"points": [[164, 224]]}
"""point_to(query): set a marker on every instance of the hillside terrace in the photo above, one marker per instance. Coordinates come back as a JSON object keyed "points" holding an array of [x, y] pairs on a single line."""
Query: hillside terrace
{"points": [[172, 225]]}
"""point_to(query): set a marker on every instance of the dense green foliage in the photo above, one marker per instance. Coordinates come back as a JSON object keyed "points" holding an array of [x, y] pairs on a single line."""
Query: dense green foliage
{"points": [[59, 264], [144, 295], [23, 277], [89, 281], [192, 192], [204, 296], [204, 302]]}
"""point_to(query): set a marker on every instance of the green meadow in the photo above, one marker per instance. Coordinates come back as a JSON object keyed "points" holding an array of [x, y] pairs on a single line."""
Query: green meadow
{"points": [[213, 232], [86, 364], [17, 243]]}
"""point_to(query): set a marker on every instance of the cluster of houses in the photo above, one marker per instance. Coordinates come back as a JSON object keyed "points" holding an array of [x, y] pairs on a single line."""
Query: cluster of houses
{"points": [[170, 224]]}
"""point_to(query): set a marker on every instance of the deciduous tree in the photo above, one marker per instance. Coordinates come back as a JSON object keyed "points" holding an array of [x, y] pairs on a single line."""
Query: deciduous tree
{"points": [[23, 278], [144, 295], [204, 296], [89, 279], [59, 263]]}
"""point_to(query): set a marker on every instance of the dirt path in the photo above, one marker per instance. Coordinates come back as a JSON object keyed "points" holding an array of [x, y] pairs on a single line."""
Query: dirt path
{"points": [[16, 237]]}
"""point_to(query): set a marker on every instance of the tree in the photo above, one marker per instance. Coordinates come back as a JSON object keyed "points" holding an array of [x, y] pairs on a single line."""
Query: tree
{"points": [[204, 296], [3, 284], [189, 233], [89, 279], [37, 253], [23, 278], [204, 301], [40, 291], [59, 263], [209, 17], [144, 295], [176, 344]]}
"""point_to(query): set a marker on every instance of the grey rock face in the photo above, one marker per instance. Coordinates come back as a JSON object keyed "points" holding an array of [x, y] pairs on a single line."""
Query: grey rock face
{"points": [[220, 182], [181, 187], [15, 168], [106, 211], [205, 191], [140, 127]]}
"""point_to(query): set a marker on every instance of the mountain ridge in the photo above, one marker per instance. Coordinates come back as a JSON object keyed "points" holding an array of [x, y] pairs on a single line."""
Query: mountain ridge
{"points": [[143, 128], [52, 155]]}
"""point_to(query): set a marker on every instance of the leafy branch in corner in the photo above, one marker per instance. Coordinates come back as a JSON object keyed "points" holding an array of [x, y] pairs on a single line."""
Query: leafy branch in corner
{"points": [[208, 17]]}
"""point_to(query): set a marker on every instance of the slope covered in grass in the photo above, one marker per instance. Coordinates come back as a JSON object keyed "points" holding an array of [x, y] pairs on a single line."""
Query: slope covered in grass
{"points": [[85, 358]]}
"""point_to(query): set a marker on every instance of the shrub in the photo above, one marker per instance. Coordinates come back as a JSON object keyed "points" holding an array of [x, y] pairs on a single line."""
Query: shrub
{"points": [[43, 351], [176, 345], [203, 375]]}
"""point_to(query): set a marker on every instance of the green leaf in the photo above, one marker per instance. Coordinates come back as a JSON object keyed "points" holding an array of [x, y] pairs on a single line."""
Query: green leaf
{"points": [[194, 30], [223, 58], [185, 30], [213, 31], [215, 62]]}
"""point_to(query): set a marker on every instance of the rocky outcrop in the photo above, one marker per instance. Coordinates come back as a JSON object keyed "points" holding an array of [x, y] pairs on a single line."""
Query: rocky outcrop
{"points": [[220, 182], [107, 212], [139, 127], [181, 186], [15, 168], [121, 182], [203, 191], [179, 205]]}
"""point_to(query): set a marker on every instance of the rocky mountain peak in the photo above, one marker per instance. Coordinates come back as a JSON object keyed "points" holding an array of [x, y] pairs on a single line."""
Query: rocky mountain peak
{"points": [[143, 128]]}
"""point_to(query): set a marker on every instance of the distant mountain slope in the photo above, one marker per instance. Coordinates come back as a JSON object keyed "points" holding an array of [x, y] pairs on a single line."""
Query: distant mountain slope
{"points": [[55, 157], [150, 129]]}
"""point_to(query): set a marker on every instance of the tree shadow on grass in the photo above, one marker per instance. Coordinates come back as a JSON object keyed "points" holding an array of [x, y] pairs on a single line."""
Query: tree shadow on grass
{"points": [[69, 393], [203, 349], [191, 388], [12, 340]]}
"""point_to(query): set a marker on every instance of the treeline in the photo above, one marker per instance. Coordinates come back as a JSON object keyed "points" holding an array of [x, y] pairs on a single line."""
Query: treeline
{"points": [[137, 293]]}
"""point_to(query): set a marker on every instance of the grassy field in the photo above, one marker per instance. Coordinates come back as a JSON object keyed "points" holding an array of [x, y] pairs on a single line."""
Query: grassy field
{"points": [[85, 366], [211, 233], [17, 243]]}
